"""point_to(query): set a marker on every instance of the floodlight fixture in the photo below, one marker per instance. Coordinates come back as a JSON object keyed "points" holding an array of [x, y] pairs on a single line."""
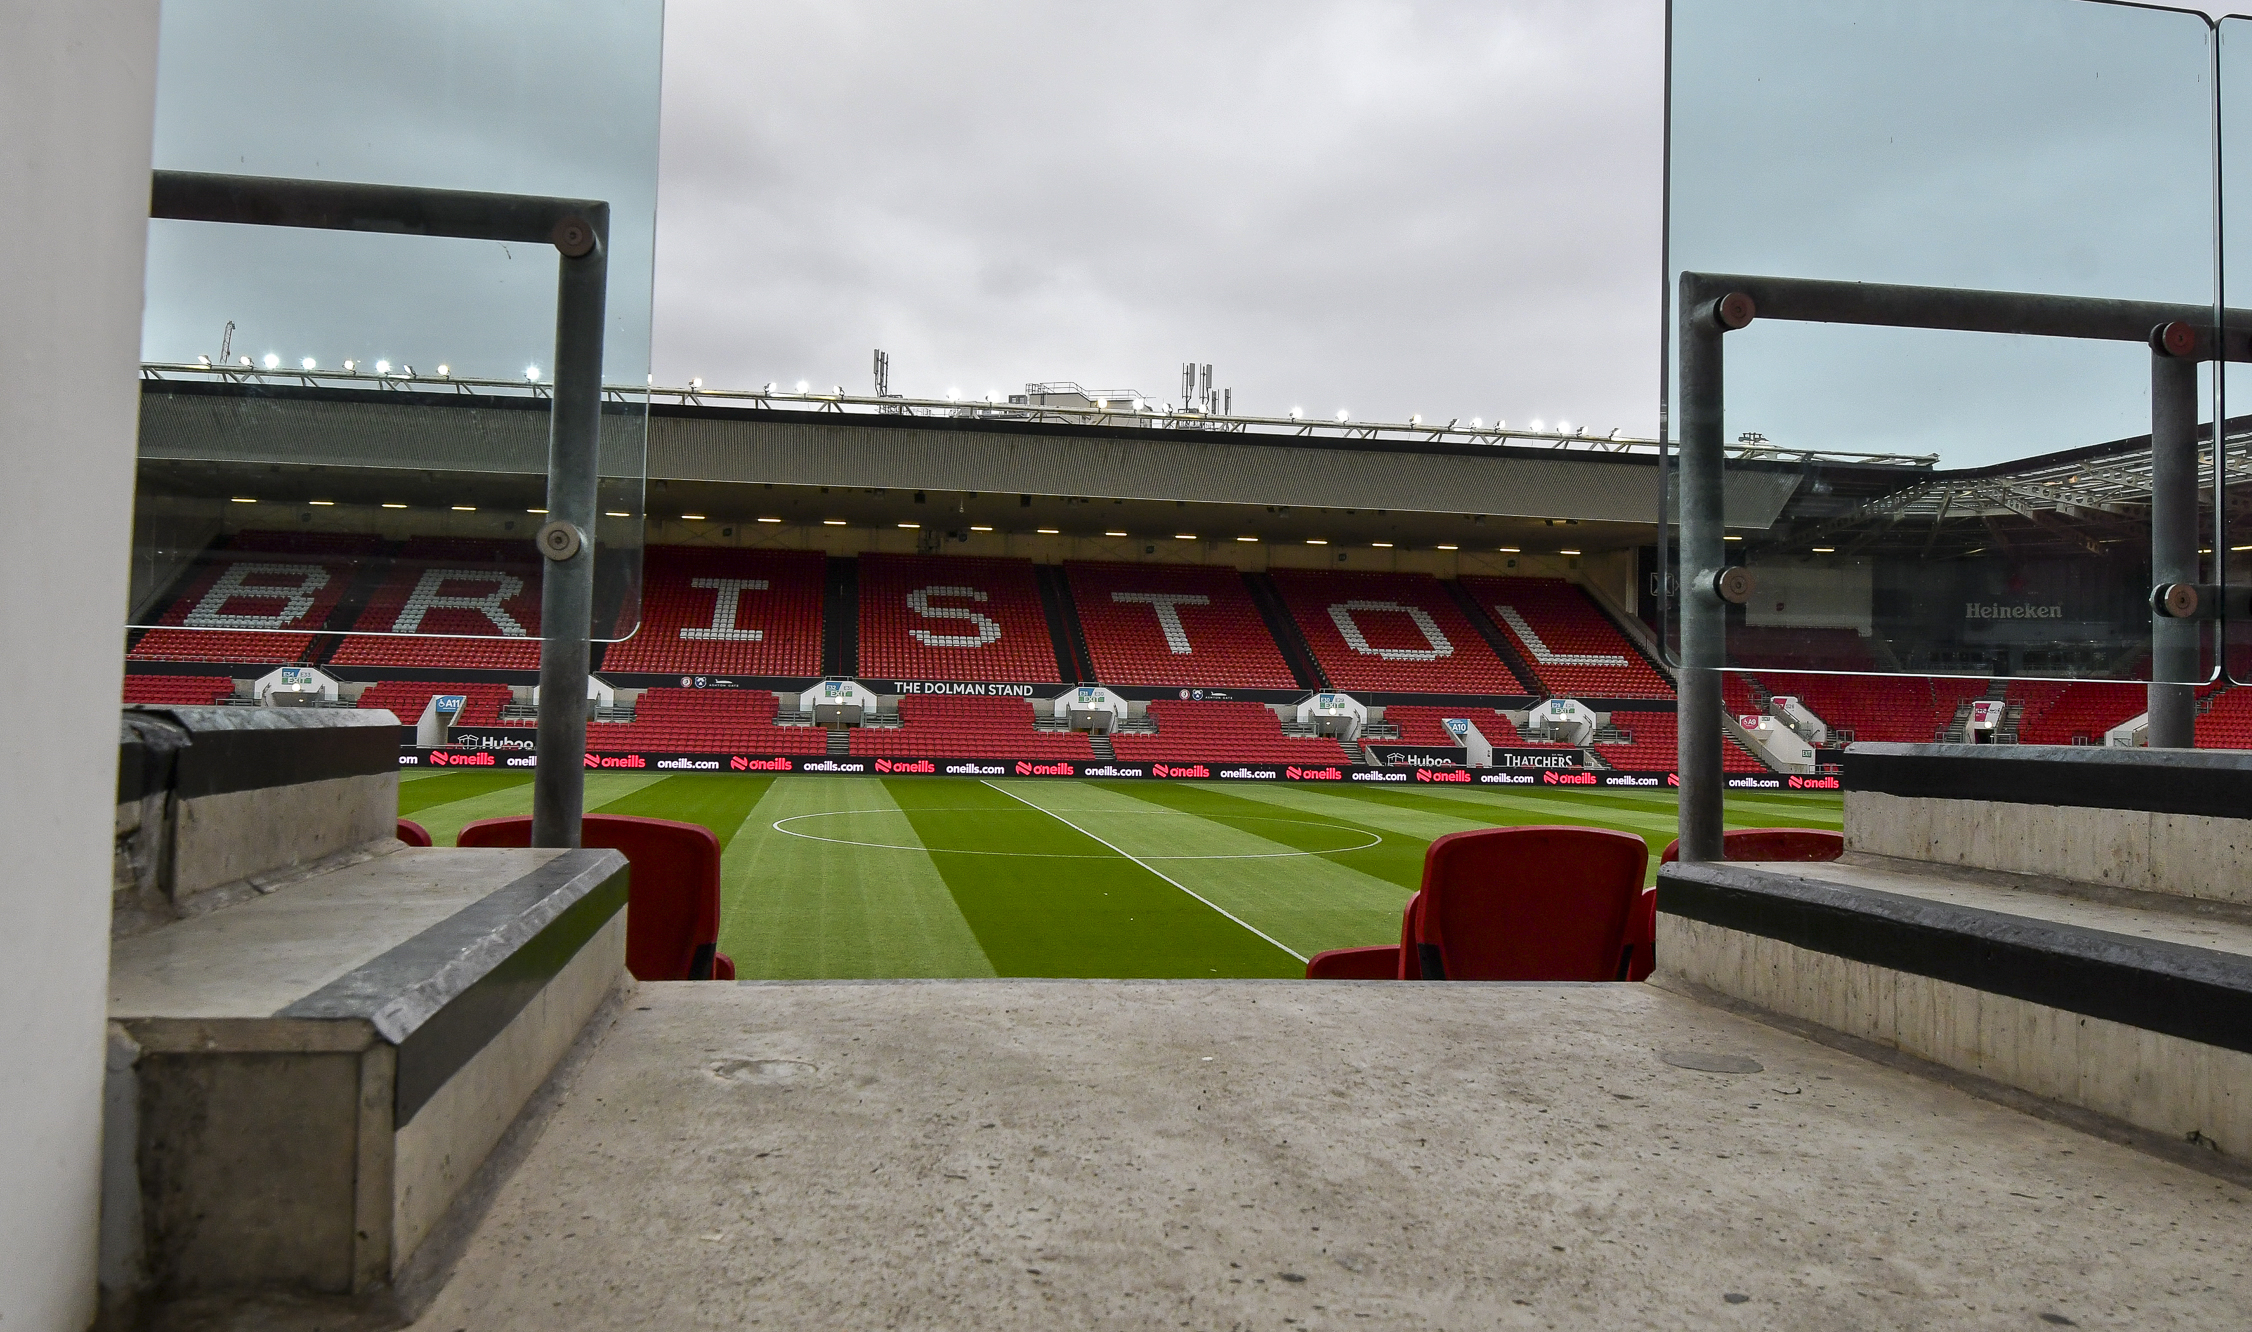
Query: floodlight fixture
{"points": [[532, 373], [351, 367], [1248, 538], [383, 367], [696, 382], [1297, 413], [244, 499], [979, 527], [1476, 424], [1381, 545], [1343, 415], [308, 364], [1536, 424], [394, 506], [406, 372], [1184, 536], [692, 517], [1415, 418], [1506, 550], [1563, 427], [272, 361], [770, 520], [203, 361], [1114, 534], [444, 371], [910, 526], [1450, 547], [616, 513], [1567, 551], [465, 508], [245, 363], [953, 395], [803, 386], [832, 522], [539, 511], [1047, 531], [322, 504], [1832, 550], [1316, 541]]}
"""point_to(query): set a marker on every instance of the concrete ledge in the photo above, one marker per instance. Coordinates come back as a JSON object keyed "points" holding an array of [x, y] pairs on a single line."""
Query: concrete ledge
{"points": [[319, 1070]]}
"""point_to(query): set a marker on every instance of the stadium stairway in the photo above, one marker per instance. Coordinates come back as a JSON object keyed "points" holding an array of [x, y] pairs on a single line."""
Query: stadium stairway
{"points": [[1284, 630], [1495, 639], [840, 619], [1073, 664], [2069, 924]]}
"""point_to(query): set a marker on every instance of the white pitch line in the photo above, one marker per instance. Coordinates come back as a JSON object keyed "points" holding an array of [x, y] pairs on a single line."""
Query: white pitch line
{"points": [[1154, 870]]}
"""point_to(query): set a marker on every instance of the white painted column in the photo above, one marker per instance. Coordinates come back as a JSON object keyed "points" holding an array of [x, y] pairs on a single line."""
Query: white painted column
{"points": [[77, 105]]}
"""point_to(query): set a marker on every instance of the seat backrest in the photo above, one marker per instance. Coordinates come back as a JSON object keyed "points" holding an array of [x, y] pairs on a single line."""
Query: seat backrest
{"points": [[1770, 844], [672, 903], [1526, 904], [412, 833]]}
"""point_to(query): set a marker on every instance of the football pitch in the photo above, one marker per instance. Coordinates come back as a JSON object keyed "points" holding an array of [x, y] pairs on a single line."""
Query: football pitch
{"points": [[866, 877]]}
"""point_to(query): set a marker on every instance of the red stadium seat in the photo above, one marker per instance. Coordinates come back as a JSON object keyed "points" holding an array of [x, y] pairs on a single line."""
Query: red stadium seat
{"points": [[934, 727], [258, 599], [672, 903], [1381, 962], [1222, 732], [1642, 939], [459, 602], [705, 721], [412, 833], [1525, 904], [1770, 844]]}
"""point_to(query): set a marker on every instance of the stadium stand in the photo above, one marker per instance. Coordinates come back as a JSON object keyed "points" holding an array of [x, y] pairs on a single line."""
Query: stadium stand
{"points": [[968, 728], [705, 721], [2078, 713], [1391, 632], [1173, 625], [1907, 708], [2226, 722], [1423, 725], [1802, 649], [726, 612], [1222, 732], [177, 690], [452, 585], [1653, 745], [1567, 639], [257, 599], [480, 705], [925, 617]]}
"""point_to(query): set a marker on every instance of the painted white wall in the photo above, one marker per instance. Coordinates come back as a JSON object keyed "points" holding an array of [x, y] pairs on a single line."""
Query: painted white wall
{"points": [[77, 102]]}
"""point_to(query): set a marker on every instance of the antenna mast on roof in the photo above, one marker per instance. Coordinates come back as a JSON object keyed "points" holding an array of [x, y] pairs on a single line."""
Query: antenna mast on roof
{"points": [[883, 373]]}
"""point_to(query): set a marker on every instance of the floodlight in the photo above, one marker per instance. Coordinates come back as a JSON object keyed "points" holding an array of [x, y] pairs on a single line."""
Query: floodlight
{"points": [[1415, 418], [953, 395], [406, 372], [350, 366], [532, 373], [1343, 415], [1536, 423], [1563, 427], [245, 363], [1475, 424], [203, 361], [444, 371], [803, 386], [307, 363], [696, 383], [272, 361], [1297, 413], [383, 367]]}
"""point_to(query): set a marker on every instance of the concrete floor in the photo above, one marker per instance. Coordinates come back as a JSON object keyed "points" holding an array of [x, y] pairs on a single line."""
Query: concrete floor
{"points": [[985, 1155]]}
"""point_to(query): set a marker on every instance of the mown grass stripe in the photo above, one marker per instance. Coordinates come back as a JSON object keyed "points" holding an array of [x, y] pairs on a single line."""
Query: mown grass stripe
{"points": [[1154, 870]]}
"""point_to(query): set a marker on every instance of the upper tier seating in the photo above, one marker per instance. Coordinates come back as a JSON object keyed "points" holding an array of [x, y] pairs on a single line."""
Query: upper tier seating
{"points": [[968, 728], [1653, 745], [177, 690], [480, 704], [1391, 632], [705, 721], [1912, 709], [930, 617], [1172, 624], [2060, 713], [233, 599], [1566, 638], [726, 612], [2227, 724], [453, 585], [1222, 732]]}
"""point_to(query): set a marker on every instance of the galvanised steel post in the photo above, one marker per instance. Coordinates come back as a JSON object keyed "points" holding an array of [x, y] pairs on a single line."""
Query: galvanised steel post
{"points": [[1704, 623], [574, 451], [2174, 643]]}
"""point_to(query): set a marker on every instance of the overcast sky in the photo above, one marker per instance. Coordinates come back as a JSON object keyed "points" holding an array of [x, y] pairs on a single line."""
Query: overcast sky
{"points": [[1445, 208]]}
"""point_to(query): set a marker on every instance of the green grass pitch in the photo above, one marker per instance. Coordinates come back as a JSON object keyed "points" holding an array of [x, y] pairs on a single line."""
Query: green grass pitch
{"points": [[861, 877]]}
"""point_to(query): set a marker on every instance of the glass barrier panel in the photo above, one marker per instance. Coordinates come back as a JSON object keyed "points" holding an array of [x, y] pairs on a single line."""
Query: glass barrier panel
{"points": [[1917, 501], [2218, 721], [344, 435]]}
